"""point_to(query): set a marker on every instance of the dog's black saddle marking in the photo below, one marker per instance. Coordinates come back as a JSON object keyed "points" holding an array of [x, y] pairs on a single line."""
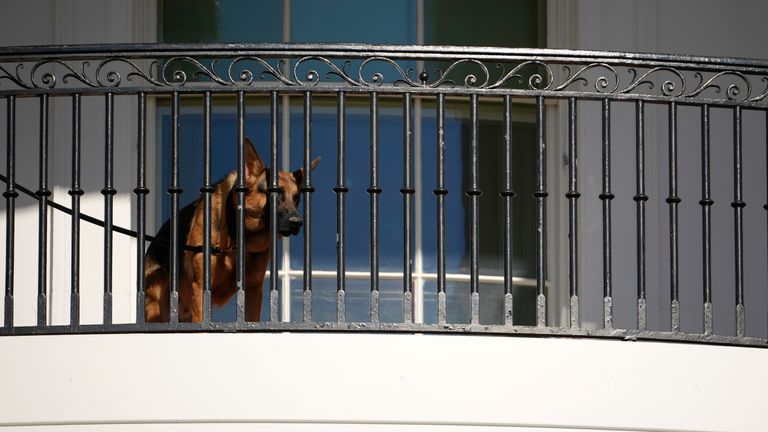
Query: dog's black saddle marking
{"points": [[160, 250]]}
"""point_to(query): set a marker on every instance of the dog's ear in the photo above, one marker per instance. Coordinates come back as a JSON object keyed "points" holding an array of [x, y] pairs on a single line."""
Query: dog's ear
{"points": [[254, 165], [298, 175]]}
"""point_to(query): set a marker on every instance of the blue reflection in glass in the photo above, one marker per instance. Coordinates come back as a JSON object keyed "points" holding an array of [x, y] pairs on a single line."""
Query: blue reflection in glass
{"points": [[250, 20], [358, 139], [352, 21]]}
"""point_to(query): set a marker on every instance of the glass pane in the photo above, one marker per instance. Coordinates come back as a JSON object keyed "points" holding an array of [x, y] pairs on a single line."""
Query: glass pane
{"points": [[339, 21], [358, 146], [491, 303], [353, 21], [222, 21], [491, 212], [358, 300], [323, 299], [497, 23]]}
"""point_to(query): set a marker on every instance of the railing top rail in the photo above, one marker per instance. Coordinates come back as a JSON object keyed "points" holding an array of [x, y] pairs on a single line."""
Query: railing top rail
{"points": [[421, 52], [158, 68]]}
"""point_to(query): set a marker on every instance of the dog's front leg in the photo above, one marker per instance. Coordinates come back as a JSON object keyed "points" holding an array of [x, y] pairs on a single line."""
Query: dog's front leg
{"points": [[156, 302], [256, 267], [195, 295]]}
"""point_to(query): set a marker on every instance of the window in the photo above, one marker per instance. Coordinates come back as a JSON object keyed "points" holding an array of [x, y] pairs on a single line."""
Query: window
{"points": [[401, 22]]}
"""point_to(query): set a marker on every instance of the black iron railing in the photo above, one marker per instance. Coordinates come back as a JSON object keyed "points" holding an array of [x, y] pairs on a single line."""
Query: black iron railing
{"points": [[547, 80]]}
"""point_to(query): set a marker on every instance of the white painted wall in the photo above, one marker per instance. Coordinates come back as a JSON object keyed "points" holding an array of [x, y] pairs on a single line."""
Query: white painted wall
{"points": [[710, 28], [255, 381], [49, 22]]}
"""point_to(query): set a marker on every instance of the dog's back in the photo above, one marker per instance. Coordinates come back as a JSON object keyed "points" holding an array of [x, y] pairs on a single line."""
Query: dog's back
{"points": [[160, 251]]}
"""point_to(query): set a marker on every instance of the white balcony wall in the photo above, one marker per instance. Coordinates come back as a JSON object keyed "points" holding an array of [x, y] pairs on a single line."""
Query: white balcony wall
{"points": [[370, 382]]}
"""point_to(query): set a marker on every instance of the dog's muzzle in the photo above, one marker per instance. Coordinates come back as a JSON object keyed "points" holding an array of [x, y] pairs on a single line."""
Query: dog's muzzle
{"points": [[291, 227]]}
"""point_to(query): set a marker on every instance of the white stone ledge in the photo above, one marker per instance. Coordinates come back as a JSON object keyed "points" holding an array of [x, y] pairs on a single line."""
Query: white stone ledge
{"points": [[376, 382]]}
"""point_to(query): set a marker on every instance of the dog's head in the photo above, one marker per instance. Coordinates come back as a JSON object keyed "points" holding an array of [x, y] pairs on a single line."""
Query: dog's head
{"points": [[289, 221]]}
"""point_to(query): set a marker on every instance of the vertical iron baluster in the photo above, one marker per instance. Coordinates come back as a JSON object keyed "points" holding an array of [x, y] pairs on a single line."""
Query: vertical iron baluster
{"points": [[407, 192], [673, 200], [573, 222], [507, 195], [418, 209], [738, 223], [141, 192], [307, 189], [109, 192], [440, 193], [374, 191], [10, 195], [207, 191], [606, 196], [273, 201], [285, 256], [76, 192], [174, 190], [240, 216], [541, 214], [43, 193], [706, 211], [640, 198], [340, 189], [474, 194]]}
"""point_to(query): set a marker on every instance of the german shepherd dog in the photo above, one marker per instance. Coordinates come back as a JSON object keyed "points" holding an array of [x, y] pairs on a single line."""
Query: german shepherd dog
{"points": [[223, 244]]}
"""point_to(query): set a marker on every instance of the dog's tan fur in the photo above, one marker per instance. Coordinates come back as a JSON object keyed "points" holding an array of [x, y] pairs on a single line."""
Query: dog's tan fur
{"points": [[223, 262]]}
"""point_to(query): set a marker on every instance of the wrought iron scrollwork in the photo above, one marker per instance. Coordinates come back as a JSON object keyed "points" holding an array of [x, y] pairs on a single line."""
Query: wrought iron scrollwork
{"points": [[114, 79], [537, 72], [669, 87], [536, 80], [377, 78], [470, 80], [313, 77], [763, 94], [14, 77], [246, 76], [605, 81], [733, 90], [47, 78], [176, 70]]}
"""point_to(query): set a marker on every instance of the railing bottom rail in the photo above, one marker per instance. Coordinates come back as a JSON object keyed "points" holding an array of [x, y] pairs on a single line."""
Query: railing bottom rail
{"points": [[368, 327]]}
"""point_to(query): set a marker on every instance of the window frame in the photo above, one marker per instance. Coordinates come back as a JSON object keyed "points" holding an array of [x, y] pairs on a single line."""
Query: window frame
{"points": [[420, 276]]}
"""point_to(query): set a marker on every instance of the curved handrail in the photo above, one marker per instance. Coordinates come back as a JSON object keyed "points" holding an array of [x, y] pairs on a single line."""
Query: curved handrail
{"points": [[392, 68], [426, 52]]}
